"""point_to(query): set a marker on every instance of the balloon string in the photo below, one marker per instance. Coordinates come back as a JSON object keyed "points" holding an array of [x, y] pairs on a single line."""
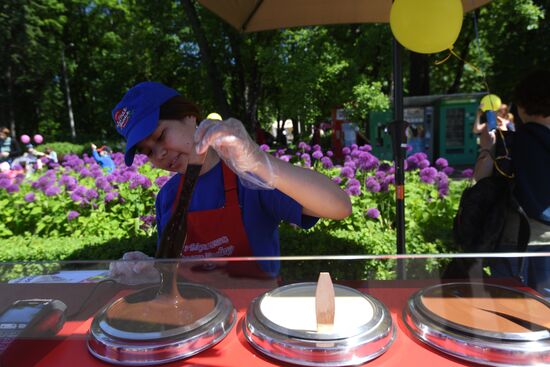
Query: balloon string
{"points": [[452, 53]]}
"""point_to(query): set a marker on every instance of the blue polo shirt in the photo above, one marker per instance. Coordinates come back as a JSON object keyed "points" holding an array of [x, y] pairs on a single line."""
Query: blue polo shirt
{"points": [[261, 210]]}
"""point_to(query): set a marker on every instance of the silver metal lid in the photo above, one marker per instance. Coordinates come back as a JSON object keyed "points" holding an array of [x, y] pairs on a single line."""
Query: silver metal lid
{"points": [[132, 344], [488, 327], [281, 323]]}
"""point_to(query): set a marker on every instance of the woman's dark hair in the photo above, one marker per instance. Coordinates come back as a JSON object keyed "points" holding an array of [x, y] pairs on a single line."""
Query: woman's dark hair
{"points": [[176, 108], [533, 93]]}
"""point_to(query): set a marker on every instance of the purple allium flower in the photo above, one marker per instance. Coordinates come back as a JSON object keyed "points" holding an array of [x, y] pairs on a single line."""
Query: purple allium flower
{"points": [[423, 163], [111, 196], [317, 154], [367, 161], [441, 178], [353, 182], [161, 180], [428, 175], [19, 178], [148, 221], [91, 194], [264, 147], [468, 173], [412, 162], [448, 170], [354, 190], [327, 162], [68, 181], [72, 215], [76, 197], [102, 183], [384, 167], [140, 180], [280, 152], [285, 158], [380, 175], [80, 190], [52, 191], [12, 188], [337, 179], [347, 172], [306, 160], [304, 146], [373, 213], [329, 153], [30, 197], [85, 172], [350, 163], [346, 151], [372, 184], [386, 182], [441, 163], [316, 147]]}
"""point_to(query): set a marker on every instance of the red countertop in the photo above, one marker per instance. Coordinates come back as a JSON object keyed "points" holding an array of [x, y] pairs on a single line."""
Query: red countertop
{"points": [[69, 347]]}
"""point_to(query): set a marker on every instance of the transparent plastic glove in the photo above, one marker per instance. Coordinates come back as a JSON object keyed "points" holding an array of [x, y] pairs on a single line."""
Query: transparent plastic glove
{"points": [[233, 144], [134, 268]]}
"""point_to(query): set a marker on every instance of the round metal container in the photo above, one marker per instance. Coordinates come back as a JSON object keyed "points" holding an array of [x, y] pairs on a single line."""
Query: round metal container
{"points": [[140, 343], [281, 324], [482, 323]]}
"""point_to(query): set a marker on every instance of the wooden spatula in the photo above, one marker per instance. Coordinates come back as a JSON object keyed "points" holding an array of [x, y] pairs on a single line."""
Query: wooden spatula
{"points": [[324, 303]]}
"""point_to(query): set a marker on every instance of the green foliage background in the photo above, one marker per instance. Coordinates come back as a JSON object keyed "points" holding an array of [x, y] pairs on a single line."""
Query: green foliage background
{"points": [[89, 52]]}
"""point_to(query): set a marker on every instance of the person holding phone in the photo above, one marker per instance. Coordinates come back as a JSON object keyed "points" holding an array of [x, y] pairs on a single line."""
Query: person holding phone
{"points": [[530, 153]]}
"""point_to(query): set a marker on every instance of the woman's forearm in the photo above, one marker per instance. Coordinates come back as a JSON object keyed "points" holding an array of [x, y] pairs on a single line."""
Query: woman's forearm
{"points": [[484, 165], [318, 194]]}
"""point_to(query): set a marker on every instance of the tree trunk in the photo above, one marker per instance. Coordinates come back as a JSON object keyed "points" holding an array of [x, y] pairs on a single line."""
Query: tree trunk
{"points": [[419, 75], [206, 57], [11, 113], [239, 81], [68, 98], [469, 37]]}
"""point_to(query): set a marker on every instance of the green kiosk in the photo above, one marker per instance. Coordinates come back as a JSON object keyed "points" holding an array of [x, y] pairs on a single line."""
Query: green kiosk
{"points": [[439, 125]]}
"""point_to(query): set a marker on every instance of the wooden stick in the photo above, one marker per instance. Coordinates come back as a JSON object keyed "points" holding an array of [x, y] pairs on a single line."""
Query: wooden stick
{"points": [[324, 303]]}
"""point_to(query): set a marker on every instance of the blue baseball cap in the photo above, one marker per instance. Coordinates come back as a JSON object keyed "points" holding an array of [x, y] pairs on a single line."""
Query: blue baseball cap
{"points": [[136, 116]]}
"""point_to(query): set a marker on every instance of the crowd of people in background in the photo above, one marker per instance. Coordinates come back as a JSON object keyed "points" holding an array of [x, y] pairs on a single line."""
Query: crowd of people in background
{"points": [[22, 157], [16, 159]]}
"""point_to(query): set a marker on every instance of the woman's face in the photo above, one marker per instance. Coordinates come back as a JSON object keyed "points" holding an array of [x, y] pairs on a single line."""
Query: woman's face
{"points": [[502, 111], [170, 146]]}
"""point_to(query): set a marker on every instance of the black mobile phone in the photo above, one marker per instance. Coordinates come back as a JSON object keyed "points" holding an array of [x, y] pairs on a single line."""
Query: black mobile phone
{"points": [[30, 318]]}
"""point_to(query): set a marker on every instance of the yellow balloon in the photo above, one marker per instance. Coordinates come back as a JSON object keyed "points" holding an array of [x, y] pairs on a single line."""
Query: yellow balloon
{"points": [[490, 102], [214, 116], [426, 26]]}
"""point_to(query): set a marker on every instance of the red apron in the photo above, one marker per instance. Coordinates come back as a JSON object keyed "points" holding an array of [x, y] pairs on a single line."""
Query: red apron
{"points": [[220, 232]]}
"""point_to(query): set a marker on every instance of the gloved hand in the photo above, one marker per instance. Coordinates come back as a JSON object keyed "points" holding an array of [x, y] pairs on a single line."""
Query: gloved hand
{"points": [[134, 268], [233, 144]]}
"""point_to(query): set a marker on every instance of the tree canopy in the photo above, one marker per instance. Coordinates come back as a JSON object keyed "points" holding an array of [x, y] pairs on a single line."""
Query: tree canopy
{"points": [[66, 63]]}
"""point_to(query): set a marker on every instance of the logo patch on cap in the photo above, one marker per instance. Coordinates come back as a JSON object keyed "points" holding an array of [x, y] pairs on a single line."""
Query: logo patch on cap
{"points": [[121, 117]]}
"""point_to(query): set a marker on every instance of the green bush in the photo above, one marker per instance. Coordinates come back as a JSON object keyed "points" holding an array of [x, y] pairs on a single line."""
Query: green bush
{"points": [[97, 216], [19, 248]]}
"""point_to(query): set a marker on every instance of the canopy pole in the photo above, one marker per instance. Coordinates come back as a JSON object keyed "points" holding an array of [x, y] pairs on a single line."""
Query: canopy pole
{"points": [[399, 144]]}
